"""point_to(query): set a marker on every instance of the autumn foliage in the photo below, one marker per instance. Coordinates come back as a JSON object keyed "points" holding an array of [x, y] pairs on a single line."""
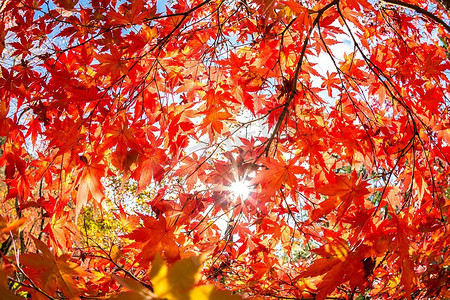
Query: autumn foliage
{"points": [[224, 149]]}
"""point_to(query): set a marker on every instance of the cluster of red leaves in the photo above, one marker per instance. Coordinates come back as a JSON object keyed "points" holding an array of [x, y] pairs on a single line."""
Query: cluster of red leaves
{"points": [[347, 156]]}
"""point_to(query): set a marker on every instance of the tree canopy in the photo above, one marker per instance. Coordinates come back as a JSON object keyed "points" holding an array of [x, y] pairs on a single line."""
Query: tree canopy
{"points": [[225, 149]]}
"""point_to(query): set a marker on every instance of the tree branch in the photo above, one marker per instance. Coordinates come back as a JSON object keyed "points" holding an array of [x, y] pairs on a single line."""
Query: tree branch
{"points": [[419, 10], [293, 91]]}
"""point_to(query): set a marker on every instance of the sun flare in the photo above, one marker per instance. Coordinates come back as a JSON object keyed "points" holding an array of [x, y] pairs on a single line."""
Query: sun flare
{"points": [[241, 189]]}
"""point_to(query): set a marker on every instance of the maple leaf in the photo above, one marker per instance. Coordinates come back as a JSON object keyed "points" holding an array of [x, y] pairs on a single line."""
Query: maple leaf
{"points": [[6, 228], [62, 231], [277, 174], [266, 7], [408, 275], [15, 173], [155, 236], [127, 222], [408, 278], [134, 15], [331, 82], [65, 135], [67, 4], [151, 167], [194, 168], [177, 282], [337, 265], [90, 184], [342, 192], [6, 293], [112, 65], [213, 121], [53, 273]]}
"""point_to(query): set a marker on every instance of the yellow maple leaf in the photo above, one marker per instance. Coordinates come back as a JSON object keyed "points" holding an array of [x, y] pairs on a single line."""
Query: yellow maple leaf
{"points": [[178, 281]]}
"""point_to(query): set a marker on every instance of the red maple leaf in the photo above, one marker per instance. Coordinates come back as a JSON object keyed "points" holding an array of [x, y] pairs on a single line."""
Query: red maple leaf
{"points": [[342, 192], [155, 236]]}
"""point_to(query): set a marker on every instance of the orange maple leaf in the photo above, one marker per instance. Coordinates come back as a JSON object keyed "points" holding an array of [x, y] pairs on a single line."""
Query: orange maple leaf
{"points": [[127, 222], [135, 14], [112, 65], [53, 273], [337, 265], [214, 121], [90, 183], [277, 174], [150, 168], [155, 236], [341, 193]]}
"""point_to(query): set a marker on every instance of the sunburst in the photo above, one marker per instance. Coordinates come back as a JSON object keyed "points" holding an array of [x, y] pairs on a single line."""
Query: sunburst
{"points": [[241, 189]]}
